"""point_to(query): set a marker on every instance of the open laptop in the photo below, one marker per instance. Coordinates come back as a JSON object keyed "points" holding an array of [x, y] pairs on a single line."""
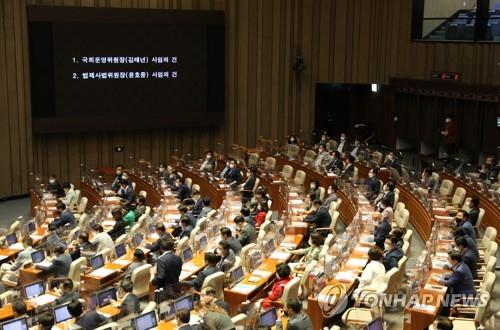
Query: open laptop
{"points": [[34, 290], [203, 242], [31, 227], [104, 297], [17, 324], [11, 239], [269, 317], [237, 275], [185, 302], [38, 257], [146, 321], [187, 255], [120, 250], [270, 246], [138, 239], [61, 313], [97, 261]]}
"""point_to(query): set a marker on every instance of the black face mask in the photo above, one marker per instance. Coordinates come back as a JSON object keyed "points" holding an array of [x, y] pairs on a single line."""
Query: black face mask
{"points": [[285, 313], [458, 221]]}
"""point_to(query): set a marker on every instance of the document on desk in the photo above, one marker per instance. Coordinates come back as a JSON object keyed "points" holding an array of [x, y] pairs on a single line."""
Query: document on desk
{"points": [[122, 262], [279, 255], [44, 299], [355, 262], [425, 308], [171, 217], [113, 199], [345, 277], [44, 264], [108, 223], [361, 249], [102, 272], [438, 288], [296, 201], [262, 273], [293, 194], [299, 224], [244, 288], [36, 237], [16, 246], [190, 267]]}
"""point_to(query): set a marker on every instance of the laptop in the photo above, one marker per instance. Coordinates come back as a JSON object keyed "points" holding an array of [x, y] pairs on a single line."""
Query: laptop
{"points": [[75, 235], [269, 317], [97, 261], [270, 246], [31, 226], [120, 250], [146, 321], [187, 255], [185, 302], [376, 324], [34, 289], [237, 275], [138, 239], [11, 239], [38, 256], [17, 324], [104, 297], [203, 242], [61, 313]]}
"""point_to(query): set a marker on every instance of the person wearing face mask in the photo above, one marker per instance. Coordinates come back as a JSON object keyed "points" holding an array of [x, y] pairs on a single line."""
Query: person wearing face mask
{"points": [[171, 180], [344, 144], [474, 210], [309, 254], [392, 253], [336, 165], [373, 273], [372, 184], [225, 171], [198, 201], [348, 171], [183, 191], [162, 171], [292, 140], [246, 232], [126, 191], [208, 164], [468, 256], [261, 215], [321, 218], [331, 197], [69, 192], [387, 194], [450, 134], [115, 186], [234, 176], [66, 217], [227, 256], [460, 280], [471, 243], [297, 320], [489, 171], [462, 221], [314, 190], [54, 187], [323, 157], [283, 272], [357, 150], [392, 162], [249, 185]]}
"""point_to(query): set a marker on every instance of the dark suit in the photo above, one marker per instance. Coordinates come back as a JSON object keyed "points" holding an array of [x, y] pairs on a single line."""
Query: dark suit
{"points": [[116, 182], [336, 165], [234, 175], [373, 185], [127, 194], [389, 196], [56, 189], [348, 172], [468, 229], [186, 231], [381, 232], [67, 297], [248, 186], [168, 270], [234, 244], [321, 218], [247, 235], [225, 172], [208, 165], [60, 265], [300, 321], [197, 283], [473, 216], [460, 281], [197, 207], [184, 192], [344, 146], [129, 305], [392, 257], [66, 217], [118, 229], [156, 245], [470, 259], [90, 320], [394, 164]]}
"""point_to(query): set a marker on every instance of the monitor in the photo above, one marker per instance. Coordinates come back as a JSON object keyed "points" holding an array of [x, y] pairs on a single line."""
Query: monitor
{"points": [[167, 310], [104, 297], [376, 324], [270, 246], [256, 260], [97, 261], [34, 289], [120, 250], [269, 317], [31, 226], [11, 239], [61, 313], [185, 302], [203, 242], [146, 321], [238, 274], [17, 324], [37, 256], [137, 239], [187, 254]]}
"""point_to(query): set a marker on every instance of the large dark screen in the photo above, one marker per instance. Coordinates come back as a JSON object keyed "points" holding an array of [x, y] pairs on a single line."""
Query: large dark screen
{"points": [[85, 66]]}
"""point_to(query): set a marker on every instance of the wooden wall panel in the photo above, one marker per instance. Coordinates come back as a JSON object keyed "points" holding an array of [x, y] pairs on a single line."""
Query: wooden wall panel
{"points": [[360, 41]]}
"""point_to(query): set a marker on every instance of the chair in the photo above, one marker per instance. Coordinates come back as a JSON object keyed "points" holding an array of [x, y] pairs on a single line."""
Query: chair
{"points": [[193, 236], [435, 176], [188, 182], [239, 320], [491, 251], [293, 151], [287, 172], [82, 206], [202, 223], [465, 204], [309, 156], [321, 193], [8, 297], [298, 181], [109, 326], [237, 263], [402, 270], [490, 234], [406, 248], [396, 197], [75, 200], [407, 237], [106, 253], [488, 267], [402, 220], [264, 229], [487, 282], [305, 288], [446, 188], [335, 217], [143, 193], [141, 219], [133, 185], [476, 312], [326, 246], [134, 229], [355, 173], [75, 271], [377, 157], [121, 240], [141, 277], [291, 290], [479, 219], [151, 306], [181, 245], [458, 196], [216, 281], [244, 254], [72, 234], [270, 164], [14, 226], [253, 160], [211, 214], [82, 221]]}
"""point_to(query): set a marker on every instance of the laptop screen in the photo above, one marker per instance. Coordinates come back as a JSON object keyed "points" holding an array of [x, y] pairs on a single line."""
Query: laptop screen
{"points": [[37, 256], [120, 250], [270, 246], [187, 255], [146, 321], [61, 313], [137, 239], [11, 239], [185, 302], [97, 261], [238, 274], [203, 242], [34, 290], [104, 297], [269, 317], [17, 324], [31, 226], [376, 324]]}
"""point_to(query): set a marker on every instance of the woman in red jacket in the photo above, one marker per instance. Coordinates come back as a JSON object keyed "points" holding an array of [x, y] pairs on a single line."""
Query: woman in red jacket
{"points": [[283, 274], [261, 215]]}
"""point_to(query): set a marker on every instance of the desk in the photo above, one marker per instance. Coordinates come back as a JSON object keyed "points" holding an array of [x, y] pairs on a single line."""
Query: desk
{"points": [[208, 189], [93, 196], [153, 195]]}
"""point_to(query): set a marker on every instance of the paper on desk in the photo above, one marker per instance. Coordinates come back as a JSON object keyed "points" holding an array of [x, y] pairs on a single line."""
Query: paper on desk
{"points": [[16, 246], [299, 224], [296, 202], [171, 217], [122, 262], [345, 277], [184, 275], [288, 245], [427, 308], [432, 287], [108, 223], [113, 199], [443, 217], [330, 174], [279, 255], [43, 300], [356, 262], [2, 257], [262, 273], [442, 255], [362, 249], [45, 264], [102, 272], [36, 237], [244, 288], [293, 194], [190, 267]]}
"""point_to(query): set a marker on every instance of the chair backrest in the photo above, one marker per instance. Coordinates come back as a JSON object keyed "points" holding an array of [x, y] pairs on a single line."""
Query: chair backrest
{"points": [[488, 282], [446, 187], [491, 251], [377, 157], [82, 222], [240, 321], [465, 205], [244, 254], [106, 253], [458, 196], [8, 297], [75, 270], [256, 185], [339, 201], [328, 243], [333, 207], [482, 307], [321, 193], [237, 263], [216, 281], [143, 193], [491, 264], [76, 199], [182, 244], [435, 176], [253, 159], [402, 220], [390, 278], [309, 155], [291, 289], [109, 326], [293, 151], [141, 219], [405, 248], [300, 178], [14, 226], [82, 205], [396, 197], [71, 234], [134, 185], [211, 214], [287, 172], [480, 218], [400, 206], [407, 237], [490, 233], [355, 173], [151, 306], [270, 164], [194, 233], [121, 240], [188, 182], [134, 229], [141, 276], [202, 223], [335, 218]]}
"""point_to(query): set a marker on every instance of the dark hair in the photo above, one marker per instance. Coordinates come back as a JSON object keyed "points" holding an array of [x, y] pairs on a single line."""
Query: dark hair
{"points": [[398, 232], [139, 255], [294, 304], [160, 227], [117, 213], [46, 320], [224, 245], [61, 205], [28, 241], [351, 159], [245, 211], [461, 241], [455, 255], [182, 208], [141, 199], [75, 308], [68, 284], [317, 202], [211, 258], [167, 245], [374, 170], [374, 254], [127, 285], [98, 228], [59, 249], [185, 220], [283, 270], [459, 232], [84, 236], [239, 219], [53, 176], [465, 213], [52, 226], [184, 315], [316, 239], [19, 307], [225, 231], [334, 187], [428, 170], [316, 182], [124, 181], [263, 206], [391, 185], [322, 146], [444, 324], [253, 170], [451, 116], [66, 185], [119, 165], [386, 201], [336, 154], [206, 201], [393, 238], [475, 201]]}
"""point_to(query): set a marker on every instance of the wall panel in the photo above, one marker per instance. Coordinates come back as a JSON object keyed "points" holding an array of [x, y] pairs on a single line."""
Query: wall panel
{"points": [[360, 41]]}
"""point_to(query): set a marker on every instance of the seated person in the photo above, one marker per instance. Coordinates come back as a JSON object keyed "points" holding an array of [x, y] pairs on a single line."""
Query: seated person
{"points": [[54, 187], [331, 196], [474, 210], [314, 192], [460, 280], [428, 181], [20, 309], [198, 201], [310, 253], [392, 162], [233, 242], [185, 228], [392, 253], [442, 324], [52, 239], [245, 212], [323, 158], [115, 185], [283, 274], [183, 191], [182, 318], [129, 215], [101, 239], [211, 260], [372, 184], [387, 211], [59, 264], [206, 207], [225, 171], [321, 218], [88, 320], [348, 171], [171, 180], [234, 176], [261, 215], [163, 172], [208, 295], [489, 171], [208, 164], [227, 256], [471, 243], [68, 292], [246, 232], [382, 229], [336, 165], [120, 226], [45, 321], [140, 208], [214, 317], [387, 194], [249, 185], [308, 204], [82, 247], [296, 318], [468, 256], [462, 221], [129, 303], [126, 191], [358, 151], [10, 269], [373, 273], [161, 231], [399, 234], [69, 194], [138, 260], [184, 212], [66, 217]]}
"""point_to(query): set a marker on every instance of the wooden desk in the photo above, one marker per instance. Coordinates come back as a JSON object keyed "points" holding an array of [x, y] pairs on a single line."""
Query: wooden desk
{"points": [[154, 196], [93, 196], [31, 274], [208, 189]]}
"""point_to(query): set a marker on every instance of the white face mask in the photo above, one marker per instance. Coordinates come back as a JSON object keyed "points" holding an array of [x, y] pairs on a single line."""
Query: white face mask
{"points": [[342, 138], [209, 156], [125, 177], [447, 120], [52, 181], [387, 246], [320, 151], [231, 165], [161, 169], [330, 191], [118, 172], [292, 139], [371, 175], [313, 186]]}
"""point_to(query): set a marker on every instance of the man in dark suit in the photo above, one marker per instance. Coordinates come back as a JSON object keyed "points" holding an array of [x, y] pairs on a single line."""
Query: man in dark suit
{"points": [[126, 191], [130, 303], [468, 256], [321, 218], [120, 226], [348, 171], [186, 227], [67, 292], [89, 320], [474, 210], [393, 253], [471, 243], [208, 164], [336, 165], [381, 231], [183, 191], [463, 222], [59, 265], [66, 216], [211, 260], [459, 281], [182, 317], [52, 239], [344, 144], [372, 184], [247, 232], [297, 320], [168, 270], [54, 187], [388, 194], [198, 201], [115, 185], [162, 235], [392, 162], [227, 256], [234, 176], [248, 186], [234, 243]]}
